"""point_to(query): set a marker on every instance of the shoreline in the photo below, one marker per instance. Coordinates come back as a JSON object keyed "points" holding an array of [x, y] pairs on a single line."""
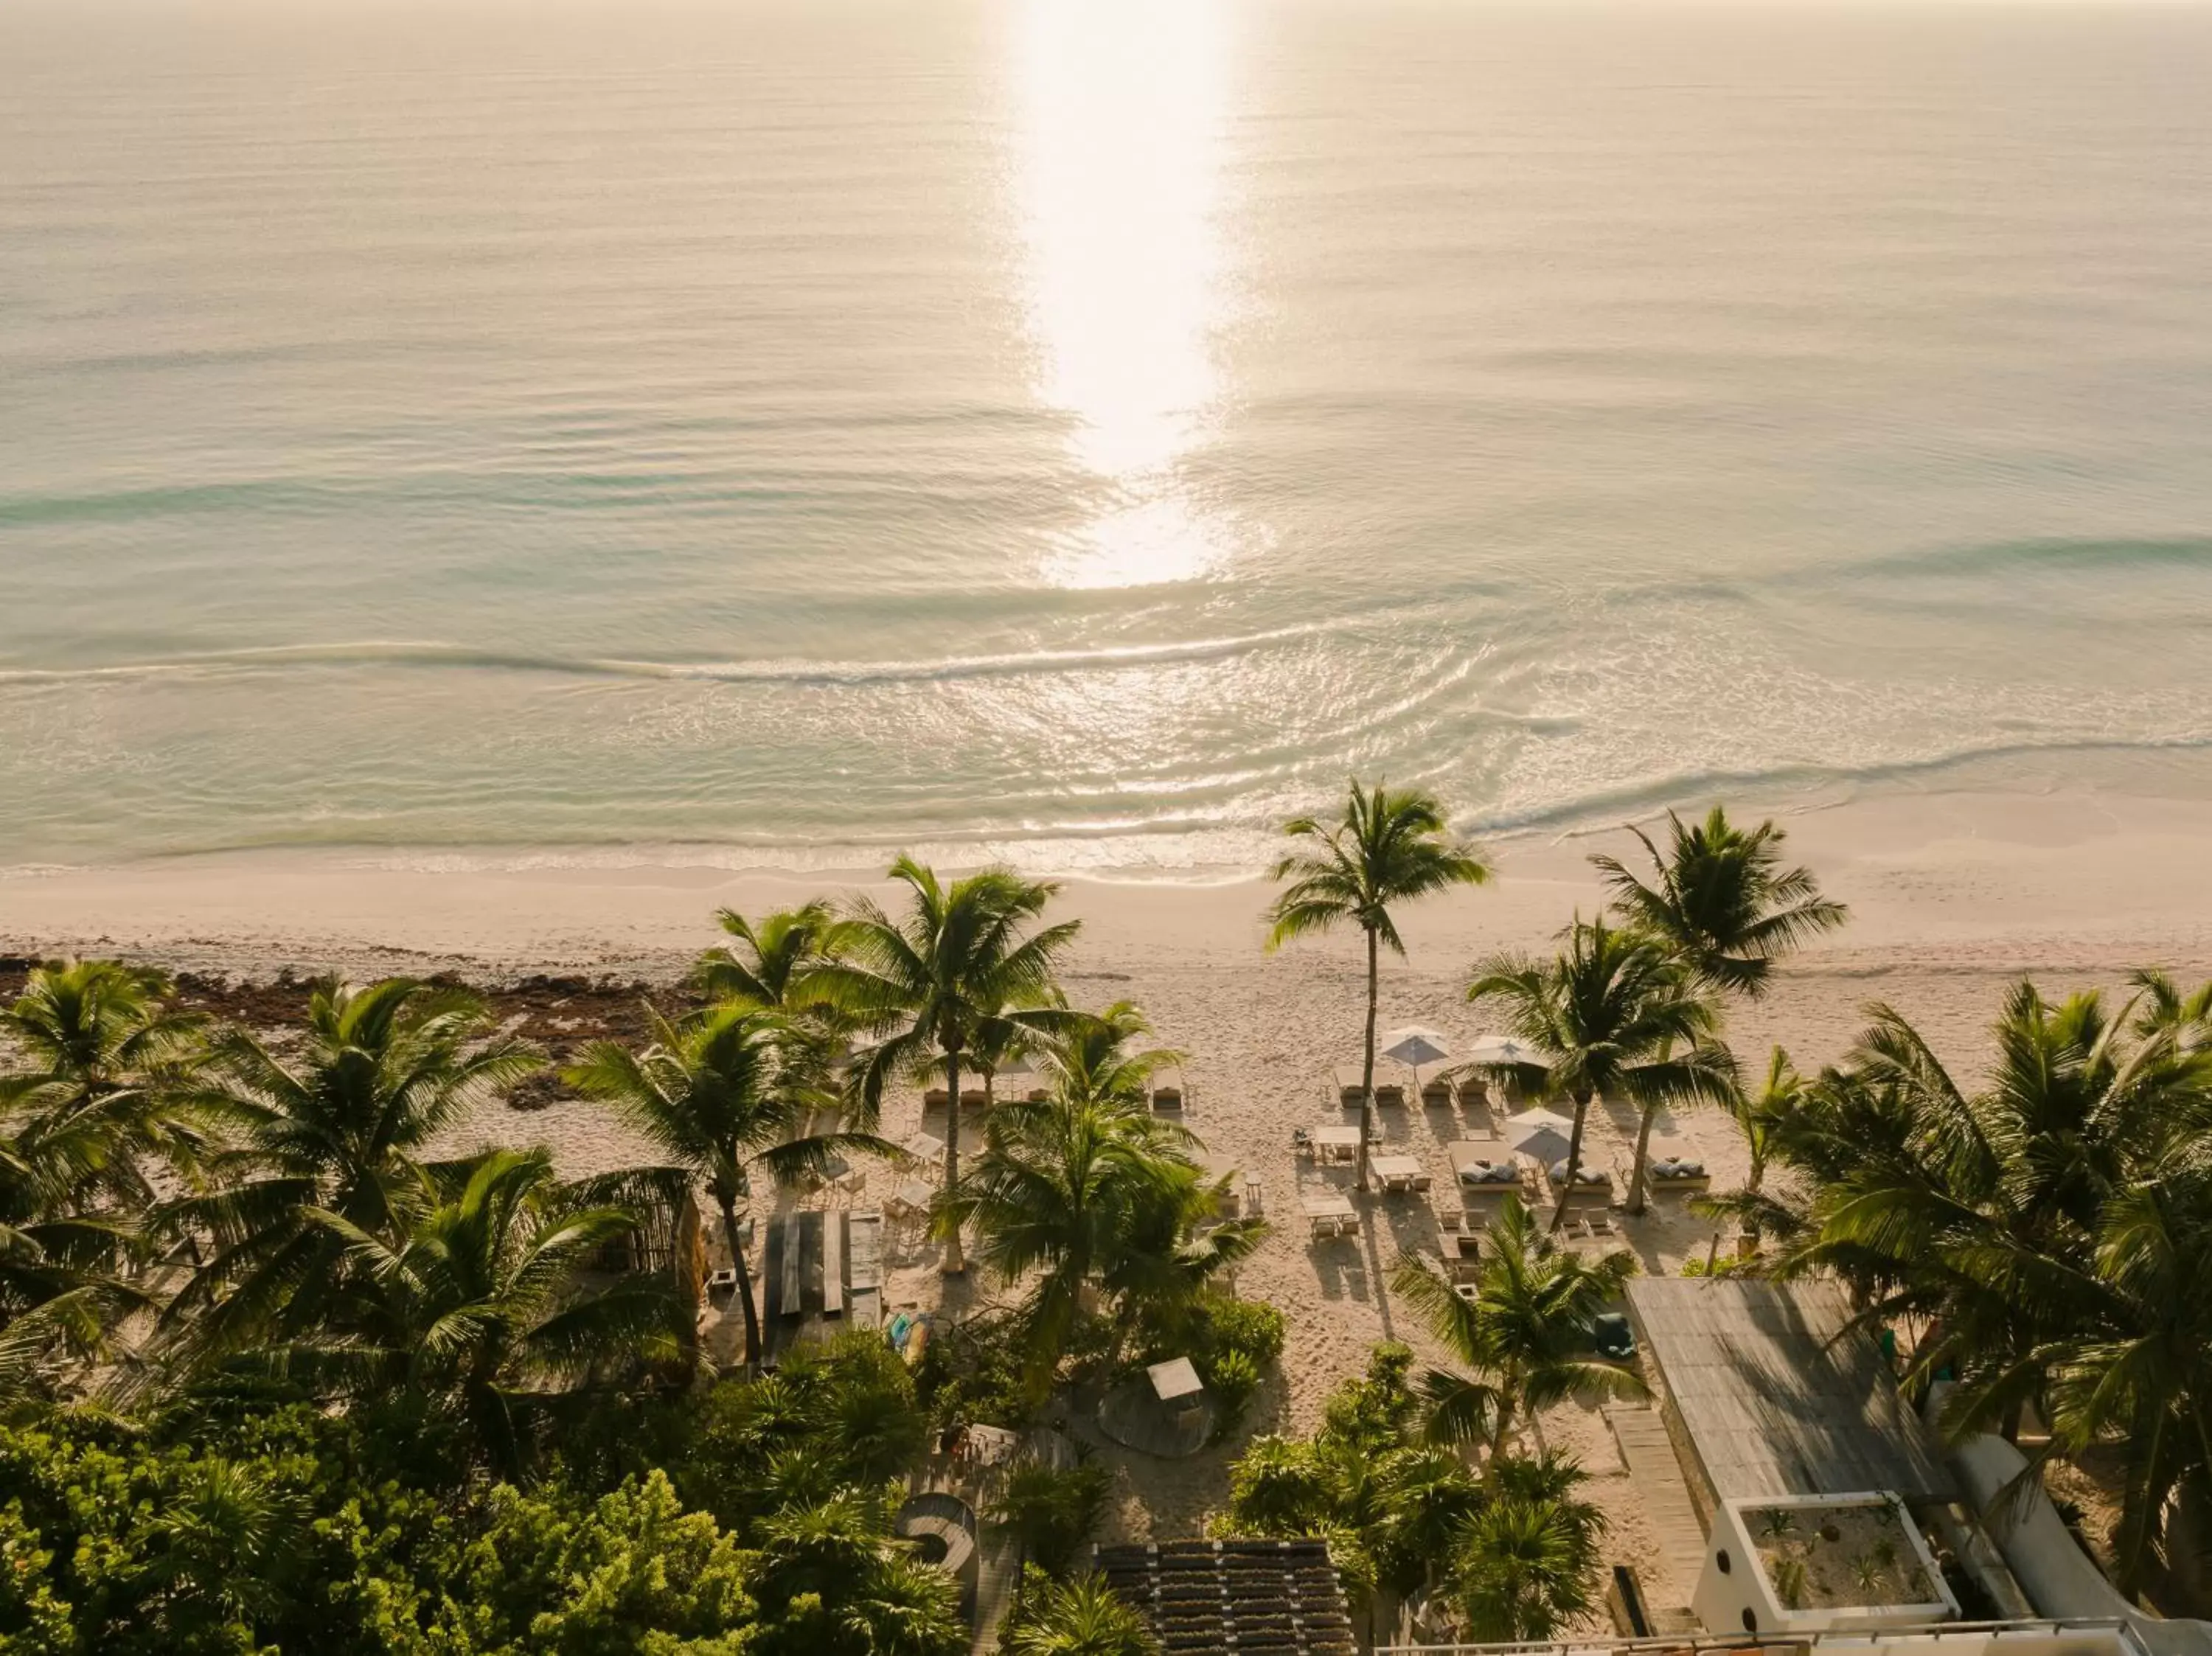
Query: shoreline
{"points": [[2065, 881]]}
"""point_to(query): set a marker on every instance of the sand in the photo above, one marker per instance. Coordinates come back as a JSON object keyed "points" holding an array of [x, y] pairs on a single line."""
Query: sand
{"points": [[1954, 897]]}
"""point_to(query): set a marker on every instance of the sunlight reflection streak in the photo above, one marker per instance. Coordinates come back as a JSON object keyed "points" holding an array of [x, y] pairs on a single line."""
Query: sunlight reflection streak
{"points": [[1121, 111]]}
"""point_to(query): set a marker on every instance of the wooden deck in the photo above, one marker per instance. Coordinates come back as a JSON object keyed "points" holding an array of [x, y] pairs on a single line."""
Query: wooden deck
{"points": [[1648, 1453]]}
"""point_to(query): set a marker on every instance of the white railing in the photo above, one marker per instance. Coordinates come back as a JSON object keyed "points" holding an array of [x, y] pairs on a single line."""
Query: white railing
{"points": [[1684, 1644]]}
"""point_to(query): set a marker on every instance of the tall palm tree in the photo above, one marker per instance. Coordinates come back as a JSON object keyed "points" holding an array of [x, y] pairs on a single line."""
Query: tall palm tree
{"points": [[340, 1123], [922, 984], [1527, 1333], [1388, 847], [476, 1299], [1610, 1011], [720, 1095], [1720, 898]]}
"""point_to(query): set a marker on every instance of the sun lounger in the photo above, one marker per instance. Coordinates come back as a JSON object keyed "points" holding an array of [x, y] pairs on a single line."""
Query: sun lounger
{"points": [[1389, 1094], [1256, 1203], [1474, 1089], [1436, 1094], [1677, 1175], [936, 1099], [1167, 1100], [1481, 1169], [1347, 1086], [973, 1098]]}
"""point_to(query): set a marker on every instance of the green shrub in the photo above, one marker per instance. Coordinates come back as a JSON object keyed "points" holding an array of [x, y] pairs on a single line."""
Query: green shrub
{"points": [[1234, 1381], [1052, 1513]]}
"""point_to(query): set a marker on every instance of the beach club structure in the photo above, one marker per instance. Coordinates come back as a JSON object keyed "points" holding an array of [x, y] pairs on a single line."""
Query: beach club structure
{"points": [[1809, 1511]]}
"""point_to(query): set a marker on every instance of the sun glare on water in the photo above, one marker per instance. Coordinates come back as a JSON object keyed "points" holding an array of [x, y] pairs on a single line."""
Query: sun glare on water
{"points": [[1119, 174]]}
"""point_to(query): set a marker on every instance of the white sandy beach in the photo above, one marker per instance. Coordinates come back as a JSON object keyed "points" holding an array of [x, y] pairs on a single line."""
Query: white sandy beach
{"points": [[1953, 896]]}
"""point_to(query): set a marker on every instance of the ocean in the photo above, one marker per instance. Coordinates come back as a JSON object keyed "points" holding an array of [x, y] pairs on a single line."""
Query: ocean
{"points": [[1085, 431]]}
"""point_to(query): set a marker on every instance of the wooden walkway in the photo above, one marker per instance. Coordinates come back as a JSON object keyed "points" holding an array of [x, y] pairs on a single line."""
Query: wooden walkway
{"points": [[1649, 1455]]}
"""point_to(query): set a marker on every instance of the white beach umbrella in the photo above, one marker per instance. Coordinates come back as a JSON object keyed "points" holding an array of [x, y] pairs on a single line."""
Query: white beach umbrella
{"points": [[1414, 1045], [1537, 1117], [1547, 1144], [1504, 1049]]}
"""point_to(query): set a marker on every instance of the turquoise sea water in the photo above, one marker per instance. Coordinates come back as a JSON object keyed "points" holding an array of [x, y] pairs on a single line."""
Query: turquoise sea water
{"points": [[791, 426]]}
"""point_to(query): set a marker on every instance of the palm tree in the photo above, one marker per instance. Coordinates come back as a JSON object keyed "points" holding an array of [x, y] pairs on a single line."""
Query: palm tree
{"points": [[476, 1300], [769, 958], [1526, 1561], [1097, 1195], [922, 984], [108, 1057], [1527, 1333], [337, 1124], [1082, 1617], [1933, 1202], [2135, 1370], [1762, 1117], [1721, 900], [1609, 1009], [722, 1096], [1388, 847]]}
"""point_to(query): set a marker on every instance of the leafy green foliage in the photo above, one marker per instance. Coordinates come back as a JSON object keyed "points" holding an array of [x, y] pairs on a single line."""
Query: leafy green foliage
{"points": [[1052, 1511], [1082, 1617], [1516, 1548]]}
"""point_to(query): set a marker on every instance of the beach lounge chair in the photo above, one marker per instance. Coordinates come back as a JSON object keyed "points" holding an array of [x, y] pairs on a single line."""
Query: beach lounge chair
{"points": [[1255, 1204], [1474, 1089], [936, 1099], [1167, 1101], [1677, 1175], [1347, 1086], [1481, 1169], [1436, 1094], [1389, 1094], [973, 1098]]}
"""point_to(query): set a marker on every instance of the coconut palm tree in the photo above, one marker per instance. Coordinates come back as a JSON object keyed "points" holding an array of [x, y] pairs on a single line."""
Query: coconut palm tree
{"points": [[769, 957], [1614, 1012], [2135, 1372], [1388, 847], [1720, 898], [1527, 1334], [1526, 1563], [922, 984], [723, 1095], [337, 1123], [1098, 1195], [476, 1300], [107, 1057], [1762, 1117], [1082, 1617], [1934, 1201]]}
